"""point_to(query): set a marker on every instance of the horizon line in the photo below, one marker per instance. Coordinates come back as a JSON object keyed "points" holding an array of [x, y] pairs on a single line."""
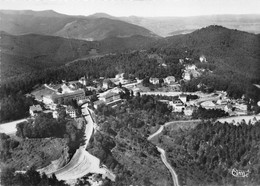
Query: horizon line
{"points": [[163, 16]]}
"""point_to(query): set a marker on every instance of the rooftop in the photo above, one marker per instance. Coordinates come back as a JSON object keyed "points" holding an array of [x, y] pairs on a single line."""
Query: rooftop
{"points": [[36, 108]]}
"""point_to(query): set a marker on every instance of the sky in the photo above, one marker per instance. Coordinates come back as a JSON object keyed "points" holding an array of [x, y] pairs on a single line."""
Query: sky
{"points": [[144, 8]]}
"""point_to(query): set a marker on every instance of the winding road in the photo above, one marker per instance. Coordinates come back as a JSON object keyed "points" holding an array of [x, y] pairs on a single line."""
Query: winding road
{"points": [[163, 157], [173, 173]]}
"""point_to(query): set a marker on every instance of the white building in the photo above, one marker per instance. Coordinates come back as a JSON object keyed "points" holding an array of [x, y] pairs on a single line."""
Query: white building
{"points": [[47, 100], [186, 76], [120, 76], [35, 109], [188, 111], [55, 114], [169, 80], [203, 59], [83, 81], [71, 111], [191, 67], [154, 81], [177, 105]]}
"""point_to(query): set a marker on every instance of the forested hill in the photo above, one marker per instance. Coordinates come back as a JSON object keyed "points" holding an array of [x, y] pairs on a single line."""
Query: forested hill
{"points": [[26, 53], [231, 49], [234, 58]]}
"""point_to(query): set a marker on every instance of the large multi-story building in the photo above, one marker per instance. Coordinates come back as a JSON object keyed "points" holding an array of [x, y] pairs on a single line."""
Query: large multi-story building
{"points": [[76, 95]]}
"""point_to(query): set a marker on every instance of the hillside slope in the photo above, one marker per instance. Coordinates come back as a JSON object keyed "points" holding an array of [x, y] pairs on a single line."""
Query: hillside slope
{"points": [[101, 28], [78, 27], [26, 53], [229, 50]]}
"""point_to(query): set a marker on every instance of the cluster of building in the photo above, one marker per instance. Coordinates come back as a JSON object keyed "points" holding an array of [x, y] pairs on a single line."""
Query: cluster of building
{"points": [[218, 100], [52, 95], [109, 92]]}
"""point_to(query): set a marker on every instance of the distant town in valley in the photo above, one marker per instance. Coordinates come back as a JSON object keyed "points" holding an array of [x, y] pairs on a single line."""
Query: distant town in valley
{"points": [[117, 101]]}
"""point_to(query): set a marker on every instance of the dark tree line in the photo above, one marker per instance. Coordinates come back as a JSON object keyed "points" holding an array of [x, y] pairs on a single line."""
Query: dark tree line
{"points": [[202, 113], [30, 178], [15, 107], [45, 126]]}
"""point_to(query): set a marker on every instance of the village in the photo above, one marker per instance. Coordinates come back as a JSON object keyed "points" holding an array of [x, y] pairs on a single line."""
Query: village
{"points": [[113, 91]]}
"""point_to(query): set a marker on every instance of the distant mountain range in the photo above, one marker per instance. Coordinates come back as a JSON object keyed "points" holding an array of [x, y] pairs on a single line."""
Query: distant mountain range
{"points": [[100, 25], [95, 27], [168, 26]]}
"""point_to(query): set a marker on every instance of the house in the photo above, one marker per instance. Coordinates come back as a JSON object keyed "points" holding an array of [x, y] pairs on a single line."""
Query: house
{"points": [[191, 72], [203, 59], [55, 114], [177, 105], [65, 89], [120, 76], [188, 111], [154, 81], [191, 67], [83, 81], [74, 85], [169, 80], [136, 90], [71, 111], [186, 76], [176, 87], [35, 109], [107, 83]]}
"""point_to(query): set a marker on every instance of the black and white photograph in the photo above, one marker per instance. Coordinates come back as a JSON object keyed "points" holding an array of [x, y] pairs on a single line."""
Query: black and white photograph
{"points": [[129, 93]]}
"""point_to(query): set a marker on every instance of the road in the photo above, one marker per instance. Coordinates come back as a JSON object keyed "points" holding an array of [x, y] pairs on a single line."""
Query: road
{"points": [[82, 161], [170, 123], [156, 133], [10, 127], [163, 157], [173, 173]]}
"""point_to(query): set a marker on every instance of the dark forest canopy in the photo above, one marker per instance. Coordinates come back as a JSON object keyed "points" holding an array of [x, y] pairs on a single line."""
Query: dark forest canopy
{"points": [[207, 154]]}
